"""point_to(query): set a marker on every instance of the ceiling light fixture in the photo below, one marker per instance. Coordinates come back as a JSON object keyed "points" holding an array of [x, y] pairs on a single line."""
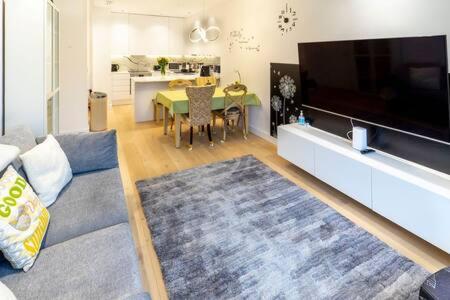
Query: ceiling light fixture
{"points": [[199, 33]]}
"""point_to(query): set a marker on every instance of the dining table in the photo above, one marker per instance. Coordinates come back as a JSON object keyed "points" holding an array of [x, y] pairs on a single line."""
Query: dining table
{"points": [[176, 103]]}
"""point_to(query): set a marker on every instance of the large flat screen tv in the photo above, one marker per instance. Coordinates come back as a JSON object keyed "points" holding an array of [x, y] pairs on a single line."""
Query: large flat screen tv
{"points": [[398, 83]]}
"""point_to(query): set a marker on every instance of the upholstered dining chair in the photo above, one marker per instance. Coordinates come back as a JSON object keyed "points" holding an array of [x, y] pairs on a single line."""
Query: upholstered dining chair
{"points": [[202, 81], [234, 111], [173, 85], [200, 99]]}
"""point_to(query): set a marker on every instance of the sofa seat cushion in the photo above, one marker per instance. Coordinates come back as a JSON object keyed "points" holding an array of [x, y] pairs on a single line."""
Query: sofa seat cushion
{"points": [[98, 265], [91, 201]]}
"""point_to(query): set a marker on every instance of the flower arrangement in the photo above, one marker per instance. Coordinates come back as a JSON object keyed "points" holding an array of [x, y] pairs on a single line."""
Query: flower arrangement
{"points": [[163, 62]]}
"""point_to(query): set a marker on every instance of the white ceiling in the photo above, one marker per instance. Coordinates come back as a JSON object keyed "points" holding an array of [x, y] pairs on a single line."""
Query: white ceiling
{"points": [[176, 8]]}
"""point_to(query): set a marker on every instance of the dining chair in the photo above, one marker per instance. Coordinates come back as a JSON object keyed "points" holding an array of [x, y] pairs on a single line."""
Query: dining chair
{"points": [[200, 99], [234, 111], [202, 81], [173, 85]]}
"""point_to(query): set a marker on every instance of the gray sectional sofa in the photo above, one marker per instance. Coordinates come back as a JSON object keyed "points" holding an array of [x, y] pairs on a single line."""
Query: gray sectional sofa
{"points": [[88, 251]]}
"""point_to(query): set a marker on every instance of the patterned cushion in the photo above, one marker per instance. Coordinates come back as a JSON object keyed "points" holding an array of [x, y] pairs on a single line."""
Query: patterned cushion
{"points": [[437, 286], [23, 221]]}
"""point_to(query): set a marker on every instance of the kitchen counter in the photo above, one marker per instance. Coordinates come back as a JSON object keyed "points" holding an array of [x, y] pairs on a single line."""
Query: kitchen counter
{"points": [[166, 78], [144, 90]]}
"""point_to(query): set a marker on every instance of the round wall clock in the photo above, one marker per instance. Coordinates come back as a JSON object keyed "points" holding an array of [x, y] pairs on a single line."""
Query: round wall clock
{"points": [[287, 19]]}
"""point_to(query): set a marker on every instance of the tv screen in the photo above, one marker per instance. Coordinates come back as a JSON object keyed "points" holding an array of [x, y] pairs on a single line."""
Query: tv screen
{"points": [[399, 83]]}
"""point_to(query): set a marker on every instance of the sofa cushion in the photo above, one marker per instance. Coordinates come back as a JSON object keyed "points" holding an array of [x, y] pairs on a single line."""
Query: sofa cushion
{"points": [[48, 170], [90, 151], [8, 154], [91, 201], [98, 265], [23, 221], [23, 138]]}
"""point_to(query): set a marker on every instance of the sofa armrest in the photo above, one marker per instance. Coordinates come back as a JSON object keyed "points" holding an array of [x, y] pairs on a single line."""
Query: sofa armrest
{"points": [[89, 152]]}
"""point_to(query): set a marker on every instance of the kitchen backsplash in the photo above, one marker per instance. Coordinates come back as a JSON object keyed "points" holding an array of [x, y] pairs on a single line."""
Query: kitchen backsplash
{"points": [[146, 63]]}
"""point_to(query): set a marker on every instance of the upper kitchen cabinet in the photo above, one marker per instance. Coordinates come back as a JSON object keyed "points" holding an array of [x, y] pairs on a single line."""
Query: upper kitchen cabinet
{"points": [[134, 34], [148, 35], [119, 34], [176, 36]]}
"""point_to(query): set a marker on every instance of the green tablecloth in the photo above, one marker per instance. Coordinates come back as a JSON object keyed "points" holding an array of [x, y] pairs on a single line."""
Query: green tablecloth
{"points": [[178, 103]]}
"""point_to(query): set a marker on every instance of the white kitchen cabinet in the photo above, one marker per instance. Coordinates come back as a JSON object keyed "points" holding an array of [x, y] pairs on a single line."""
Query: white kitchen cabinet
{"points": [[148, 35], [176, 36], [133, 34], [119, 34], [120, 88], [32, 77]]}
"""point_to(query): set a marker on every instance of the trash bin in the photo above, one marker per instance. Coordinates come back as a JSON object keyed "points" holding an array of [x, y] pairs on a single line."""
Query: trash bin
{"points": [[98, 103]]}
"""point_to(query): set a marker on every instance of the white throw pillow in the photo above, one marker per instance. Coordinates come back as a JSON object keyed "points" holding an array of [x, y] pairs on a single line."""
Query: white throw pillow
{"points": [[5, 293], [7, 155], [48, 169]]}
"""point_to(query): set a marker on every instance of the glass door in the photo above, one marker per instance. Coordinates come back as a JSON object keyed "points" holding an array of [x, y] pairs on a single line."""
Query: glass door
{"points": [[52, 68], [55, 70]]}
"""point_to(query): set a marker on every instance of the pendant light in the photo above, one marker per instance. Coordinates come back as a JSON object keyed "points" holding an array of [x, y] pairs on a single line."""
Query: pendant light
{"points": [[199, 33]]}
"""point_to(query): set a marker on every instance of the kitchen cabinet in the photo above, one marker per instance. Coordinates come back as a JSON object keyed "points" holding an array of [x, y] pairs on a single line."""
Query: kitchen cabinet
{"points": [[120, 88], [148, 35], [176, 36], [133, 34], [119, 34], [32, 77]]}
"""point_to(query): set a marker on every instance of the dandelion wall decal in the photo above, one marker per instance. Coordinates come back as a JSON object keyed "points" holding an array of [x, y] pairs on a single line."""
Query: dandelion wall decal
{"points": [[285, 98], [287, 87]]}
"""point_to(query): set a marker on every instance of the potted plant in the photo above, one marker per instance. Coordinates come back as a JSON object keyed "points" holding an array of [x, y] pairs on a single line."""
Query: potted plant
{"points": [[163, 62]]}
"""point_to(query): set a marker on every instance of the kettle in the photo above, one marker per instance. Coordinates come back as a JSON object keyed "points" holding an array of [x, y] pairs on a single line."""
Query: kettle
{"points": [[115, 68]]}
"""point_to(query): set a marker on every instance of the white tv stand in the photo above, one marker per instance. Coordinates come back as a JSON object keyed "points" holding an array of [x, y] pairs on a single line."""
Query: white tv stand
{"points": [[414, 197]]}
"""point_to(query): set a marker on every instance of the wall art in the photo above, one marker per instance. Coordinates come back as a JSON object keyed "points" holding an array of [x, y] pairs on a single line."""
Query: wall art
{"points": [[239, 40], [285, 98], [287, 20]]}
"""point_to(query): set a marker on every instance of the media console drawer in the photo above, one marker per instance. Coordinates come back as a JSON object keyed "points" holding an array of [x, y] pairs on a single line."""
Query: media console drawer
{"points": [[408, 195], [351, 177], [422, 212], [295, 149]]}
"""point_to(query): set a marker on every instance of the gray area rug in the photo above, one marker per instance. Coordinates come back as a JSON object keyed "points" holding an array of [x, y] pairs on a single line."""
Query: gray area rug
{"points": [[238, 230]]}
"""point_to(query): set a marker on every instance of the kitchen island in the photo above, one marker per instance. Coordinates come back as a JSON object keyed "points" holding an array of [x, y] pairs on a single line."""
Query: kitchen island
{"points": [[144, 89]]}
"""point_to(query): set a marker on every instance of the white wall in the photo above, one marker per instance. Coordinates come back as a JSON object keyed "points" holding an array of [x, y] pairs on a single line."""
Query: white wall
{"points": [[24, 65], [101, 50], [74, 79], [1, 68], [319, 20]]}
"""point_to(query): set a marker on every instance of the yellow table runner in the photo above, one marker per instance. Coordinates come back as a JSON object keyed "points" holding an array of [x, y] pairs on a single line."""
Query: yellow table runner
{"points": [[178, 102]]}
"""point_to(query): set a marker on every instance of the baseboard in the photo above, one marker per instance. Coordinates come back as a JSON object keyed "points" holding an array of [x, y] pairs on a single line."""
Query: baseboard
{"points": [[263, 134], [122, 102], [74, 131]]}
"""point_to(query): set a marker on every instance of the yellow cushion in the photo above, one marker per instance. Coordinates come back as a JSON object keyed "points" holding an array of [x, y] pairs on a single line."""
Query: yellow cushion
{"points": [[23, 221]]}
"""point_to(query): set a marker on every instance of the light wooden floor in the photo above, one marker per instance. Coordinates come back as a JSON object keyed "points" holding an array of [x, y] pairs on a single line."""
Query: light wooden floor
{"points": [[144, 152]]}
